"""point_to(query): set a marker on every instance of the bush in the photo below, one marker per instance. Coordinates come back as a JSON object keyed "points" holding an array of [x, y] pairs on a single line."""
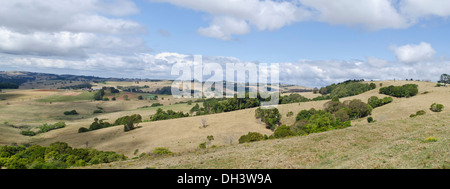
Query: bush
{"points": [[432, 139], [46, 127], [82, 130], [376, 102], [251, 137], [283, 131], [170, 114], [271, 117], [105, 99], [289, 114], [421, 112], [162, 151], [436, 107], [28, 133], [202, 145], [136, 118], [370, 120], [156, 104], [72, 112], [58, 155], [98, 111], [407, 90]]}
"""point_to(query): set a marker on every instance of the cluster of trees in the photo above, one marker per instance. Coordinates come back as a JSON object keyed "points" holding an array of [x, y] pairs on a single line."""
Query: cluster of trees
{"points": [[134, 89], [407, 90], [44, 128], [79, 86], [72, 112], [293, 98], [348, 110], [251, 137], [99, 94], [376, 102], [127, 121], [271, 117], [169, 114], [214, 105], [347, 88], [5, 85], [58, 155], [314, 121]]}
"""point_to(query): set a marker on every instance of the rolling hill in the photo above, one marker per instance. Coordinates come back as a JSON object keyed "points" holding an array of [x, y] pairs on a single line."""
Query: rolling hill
{"points": [[394, 141]]}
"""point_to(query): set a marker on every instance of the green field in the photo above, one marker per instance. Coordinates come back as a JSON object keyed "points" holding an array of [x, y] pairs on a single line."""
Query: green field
{"points": [[68, 98]]}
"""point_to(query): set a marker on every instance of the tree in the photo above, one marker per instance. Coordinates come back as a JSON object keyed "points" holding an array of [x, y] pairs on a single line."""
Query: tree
{"points": [[99, 94], [435, 107], [203, 121], [129, 124]]}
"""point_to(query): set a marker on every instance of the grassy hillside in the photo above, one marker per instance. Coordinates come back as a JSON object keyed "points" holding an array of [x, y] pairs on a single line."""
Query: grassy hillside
{"points": [[393, 144], [393, 141]]}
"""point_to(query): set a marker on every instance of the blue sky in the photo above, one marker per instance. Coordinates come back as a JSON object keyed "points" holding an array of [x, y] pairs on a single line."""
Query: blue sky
{"points": [[317, 42]]}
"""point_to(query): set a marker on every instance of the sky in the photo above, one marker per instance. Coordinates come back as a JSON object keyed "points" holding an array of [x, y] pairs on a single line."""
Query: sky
{"points": [[314, 42]]}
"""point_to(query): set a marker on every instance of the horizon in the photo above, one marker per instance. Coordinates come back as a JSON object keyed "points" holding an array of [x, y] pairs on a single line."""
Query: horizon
{"points": [[316, 43]]}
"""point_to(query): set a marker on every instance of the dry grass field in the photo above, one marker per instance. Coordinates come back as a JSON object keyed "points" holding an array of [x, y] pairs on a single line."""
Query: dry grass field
{"points": [[393, 141]]}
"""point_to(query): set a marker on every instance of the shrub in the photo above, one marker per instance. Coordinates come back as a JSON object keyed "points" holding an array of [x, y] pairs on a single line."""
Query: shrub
{"points": [[342, 114], [136, 118], [376, 102], [438, 84], [156, 104], [27, 133], [105, 99], [370, 119], [420, 112], [129, 124], [271, 117], [251, 137], [72, 112], [162, 151], [436, 107], [283, 131], [99, 94], [170, 114], [407, 90], [46, 127], [97, 112], [432, 139], [202, 145], [82, 130], [289, 114]]}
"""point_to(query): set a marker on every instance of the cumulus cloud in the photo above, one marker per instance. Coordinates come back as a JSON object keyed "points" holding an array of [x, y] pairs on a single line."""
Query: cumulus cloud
{"points": [[412, 53], [69, 28], [237, 16], [310, 73], [370, 14], [420, 8], [224, 27], [273, 14]]}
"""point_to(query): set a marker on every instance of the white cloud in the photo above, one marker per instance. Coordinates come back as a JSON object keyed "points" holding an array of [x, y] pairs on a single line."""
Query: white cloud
{"points": [[236, 16], [412, 53], [370, 14], [224, 27], [311, 73], [275, 14], [68, 15], [420, 8], [69, 28]]}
